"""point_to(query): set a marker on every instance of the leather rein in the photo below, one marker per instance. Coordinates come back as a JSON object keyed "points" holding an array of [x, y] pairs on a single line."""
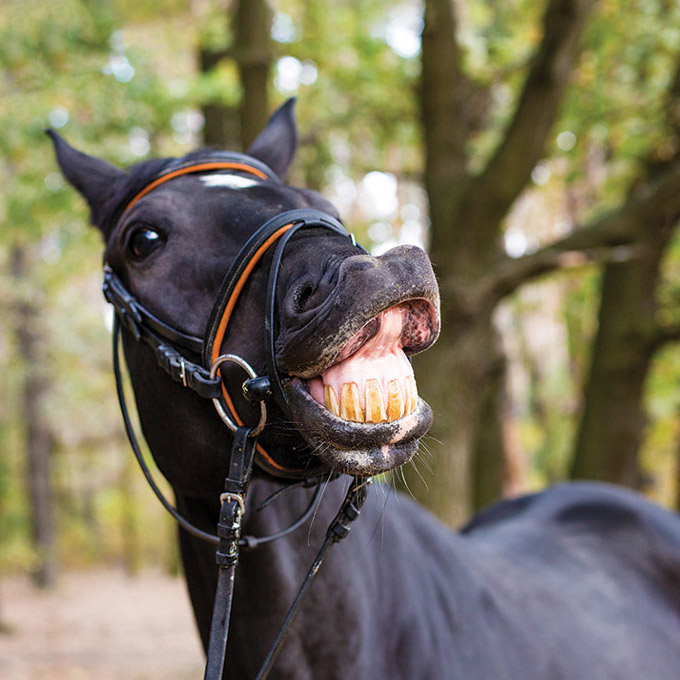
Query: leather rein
{"points": [[170, 347]]}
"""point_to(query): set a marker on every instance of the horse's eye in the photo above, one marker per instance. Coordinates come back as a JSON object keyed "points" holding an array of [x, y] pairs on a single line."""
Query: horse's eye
{"points": [[143, 241]]}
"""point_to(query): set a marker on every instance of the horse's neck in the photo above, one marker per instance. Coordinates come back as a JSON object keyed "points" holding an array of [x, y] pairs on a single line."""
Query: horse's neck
{"points": [[393, 555]]}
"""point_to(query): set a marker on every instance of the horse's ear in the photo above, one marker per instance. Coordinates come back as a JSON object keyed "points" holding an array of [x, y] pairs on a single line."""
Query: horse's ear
{"points": [[277, 143], [93, 177]]}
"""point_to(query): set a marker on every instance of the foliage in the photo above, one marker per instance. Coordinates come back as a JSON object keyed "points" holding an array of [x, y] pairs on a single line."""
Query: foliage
{"points": [[66, 65]]}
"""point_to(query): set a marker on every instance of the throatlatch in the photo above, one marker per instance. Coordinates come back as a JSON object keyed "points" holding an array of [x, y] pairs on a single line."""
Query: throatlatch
{"points": [[169, 346]]}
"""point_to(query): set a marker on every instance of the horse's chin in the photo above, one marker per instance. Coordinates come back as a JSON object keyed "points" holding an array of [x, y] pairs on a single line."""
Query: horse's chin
{"points": [[360, 449]]}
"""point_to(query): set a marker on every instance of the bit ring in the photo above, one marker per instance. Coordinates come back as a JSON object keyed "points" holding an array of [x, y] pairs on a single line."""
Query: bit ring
{"points": [[217, 401]]}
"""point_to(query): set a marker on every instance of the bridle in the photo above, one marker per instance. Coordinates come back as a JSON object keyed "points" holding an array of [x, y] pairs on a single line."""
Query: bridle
{"points": [[170, 347]]}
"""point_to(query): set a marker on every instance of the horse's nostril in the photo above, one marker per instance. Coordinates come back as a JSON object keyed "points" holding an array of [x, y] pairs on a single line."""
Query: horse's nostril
{"points": [[302, 295]]}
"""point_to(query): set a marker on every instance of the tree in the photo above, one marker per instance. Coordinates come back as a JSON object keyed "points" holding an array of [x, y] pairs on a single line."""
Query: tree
{"points": [[630, 333], [467, 209], [38, 437], [66, 66], [251, 52]]}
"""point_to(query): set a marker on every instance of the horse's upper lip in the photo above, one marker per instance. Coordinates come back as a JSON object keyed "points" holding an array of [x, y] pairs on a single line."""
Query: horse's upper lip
{"points": [[419, 333], [309, 341]]}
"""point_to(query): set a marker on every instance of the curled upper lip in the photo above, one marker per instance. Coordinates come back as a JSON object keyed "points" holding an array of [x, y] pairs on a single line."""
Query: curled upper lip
{"points": [[353, 336], [310, 341]]}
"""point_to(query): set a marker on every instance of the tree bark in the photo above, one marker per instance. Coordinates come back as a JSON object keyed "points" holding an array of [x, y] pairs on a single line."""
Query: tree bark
{"points": [[38, 438], [614, 419], [225, 127], [254, 60], [221, 124], [132, 546]]}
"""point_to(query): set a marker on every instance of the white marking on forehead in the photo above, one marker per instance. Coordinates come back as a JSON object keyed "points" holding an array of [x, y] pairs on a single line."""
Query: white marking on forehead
{"points": [[228, 181]]}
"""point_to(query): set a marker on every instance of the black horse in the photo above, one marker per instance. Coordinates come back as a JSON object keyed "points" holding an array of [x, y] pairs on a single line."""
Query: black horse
{"points": [[580, 581]]}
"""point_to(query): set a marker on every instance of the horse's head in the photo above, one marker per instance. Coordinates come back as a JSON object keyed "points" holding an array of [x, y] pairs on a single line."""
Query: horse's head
{"points": [[345, 322]]}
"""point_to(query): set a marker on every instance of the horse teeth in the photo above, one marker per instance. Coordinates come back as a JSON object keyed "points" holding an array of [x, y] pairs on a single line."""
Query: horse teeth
{"points": [[411, 394], [395, 400], [375, 410], [400, 400], [350, 403], [331, 400]]}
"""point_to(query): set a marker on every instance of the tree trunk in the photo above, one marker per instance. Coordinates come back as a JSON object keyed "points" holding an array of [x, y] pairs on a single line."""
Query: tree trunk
{"points": [[224, 127], [489, 473], [132, 550], [613, 422], [614, 418], [452, 377], [38, 438], [254, 60], [221, 125]]}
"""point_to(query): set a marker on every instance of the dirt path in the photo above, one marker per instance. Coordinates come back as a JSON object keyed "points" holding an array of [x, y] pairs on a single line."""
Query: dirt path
{"points": [[99, 625]]}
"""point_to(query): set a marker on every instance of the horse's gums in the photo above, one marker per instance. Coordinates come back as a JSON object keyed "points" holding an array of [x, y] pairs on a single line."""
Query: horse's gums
{"points": [[372, 380]]}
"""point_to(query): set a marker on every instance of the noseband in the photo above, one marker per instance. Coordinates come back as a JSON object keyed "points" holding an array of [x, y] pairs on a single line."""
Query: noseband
{"points": [[170, 346]]}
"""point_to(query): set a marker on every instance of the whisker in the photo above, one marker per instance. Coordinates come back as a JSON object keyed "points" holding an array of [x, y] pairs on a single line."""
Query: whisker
{"points": [[381, 518], [406, 486], [318, 505], [417, 471]]}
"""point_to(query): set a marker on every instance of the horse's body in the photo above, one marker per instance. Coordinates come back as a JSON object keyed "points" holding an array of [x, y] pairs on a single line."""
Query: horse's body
{"points": [[581, 581]]}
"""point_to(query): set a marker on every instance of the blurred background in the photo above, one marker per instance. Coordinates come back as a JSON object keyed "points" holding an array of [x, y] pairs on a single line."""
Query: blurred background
{"points": [[532, 146]]}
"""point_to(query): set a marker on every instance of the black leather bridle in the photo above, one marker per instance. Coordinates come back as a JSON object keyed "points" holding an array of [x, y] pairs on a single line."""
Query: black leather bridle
{"points": [[170, 347]]}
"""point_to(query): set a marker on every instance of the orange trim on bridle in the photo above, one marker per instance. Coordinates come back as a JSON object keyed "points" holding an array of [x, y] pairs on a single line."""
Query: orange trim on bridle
{"points": [[198, 167], [222, 328]]}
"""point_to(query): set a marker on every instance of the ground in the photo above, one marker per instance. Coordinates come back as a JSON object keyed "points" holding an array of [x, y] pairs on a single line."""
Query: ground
{"points": [[98, 625]]}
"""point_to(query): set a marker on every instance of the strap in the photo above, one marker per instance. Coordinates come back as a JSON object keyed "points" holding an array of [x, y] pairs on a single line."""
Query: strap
{"points": [[229, 532], [134, 443], [135, 317], [183, 371], [246, 260], [314, 219], [215, 161], [244, 263], [337, 530], [230, 289]]}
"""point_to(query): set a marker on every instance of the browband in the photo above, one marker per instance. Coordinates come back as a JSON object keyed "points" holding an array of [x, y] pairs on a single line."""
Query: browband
{"points": [[218, 161]]}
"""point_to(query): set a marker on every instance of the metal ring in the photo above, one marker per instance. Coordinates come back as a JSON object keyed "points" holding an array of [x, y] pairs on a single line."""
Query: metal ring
{"points": [[217, 403]]}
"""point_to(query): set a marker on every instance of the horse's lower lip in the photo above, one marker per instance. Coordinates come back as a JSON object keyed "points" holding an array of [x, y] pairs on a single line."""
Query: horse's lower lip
{"points": [[361, 449]]}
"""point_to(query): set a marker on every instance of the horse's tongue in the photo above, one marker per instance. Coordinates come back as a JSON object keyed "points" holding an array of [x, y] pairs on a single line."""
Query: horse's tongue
{"points": [[376, 383]]}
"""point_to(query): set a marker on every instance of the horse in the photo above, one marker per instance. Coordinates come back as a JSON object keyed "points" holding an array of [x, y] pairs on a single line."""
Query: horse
{"points": [[581, 580]]}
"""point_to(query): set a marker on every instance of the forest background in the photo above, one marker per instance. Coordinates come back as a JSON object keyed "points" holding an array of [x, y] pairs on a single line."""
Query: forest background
{"points": [[533, 146]]}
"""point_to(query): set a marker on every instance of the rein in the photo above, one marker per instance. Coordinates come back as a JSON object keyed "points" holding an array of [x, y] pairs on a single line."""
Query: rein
{"points": [[169, 346]]}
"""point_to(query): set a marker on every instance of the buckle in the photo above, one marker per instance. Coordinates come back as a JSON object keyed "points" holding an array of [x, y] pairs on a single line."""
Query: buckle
{"points": [[235, 497]]}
